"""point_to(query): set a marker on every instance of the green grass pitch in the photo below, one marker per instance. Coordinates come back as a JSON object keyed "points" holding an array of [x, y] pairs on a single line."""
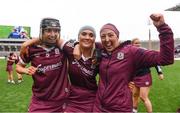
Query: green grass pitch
{"points": [[164, 95]]}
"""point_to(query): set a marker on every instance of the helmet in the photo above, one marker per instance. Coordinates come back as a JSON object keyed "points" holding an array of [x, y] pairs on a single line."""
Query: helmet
{"points": [[50, 23]]}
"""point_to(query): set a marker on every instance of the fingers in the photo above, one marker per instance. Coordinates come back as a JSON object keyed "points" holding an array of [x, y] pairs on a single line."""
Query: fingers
{"points": [[155, 17], [77, 52], [131, 85], [158, 19], [31, 70]]}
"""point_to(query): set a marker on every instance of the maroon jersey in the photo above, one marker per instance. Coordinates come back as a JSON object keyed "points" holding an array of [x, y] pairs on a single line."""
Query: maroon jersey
{"points": [[50, 88], [83, 82], [10, 60], [117, 69]]}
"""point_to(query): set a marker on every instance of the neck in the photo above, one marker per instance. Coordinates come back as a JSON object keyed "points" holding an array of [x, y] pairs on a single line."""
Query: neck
{"points": [[87, 52], [45, 46]]}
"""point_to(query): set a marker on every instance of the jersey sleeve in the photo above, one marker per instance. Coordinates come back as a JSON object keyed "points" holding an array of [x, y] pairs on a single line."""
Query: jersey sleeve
{"points": [[149, 58], [68, 47]]}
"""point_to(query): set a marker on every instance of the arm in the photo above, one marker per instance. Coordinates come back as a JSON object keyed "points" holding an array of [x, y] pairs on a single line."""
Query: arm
{"points": [[27, 43], [11, 59], [60, 43], [159, 71], [165, 56], [21, 65], [20, 68]]}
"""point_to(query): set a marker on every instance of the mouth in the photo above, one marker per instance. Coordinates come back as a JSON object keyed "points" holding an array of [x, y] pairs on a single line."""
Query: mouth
{"points": [[108, 46], [52, 38]]}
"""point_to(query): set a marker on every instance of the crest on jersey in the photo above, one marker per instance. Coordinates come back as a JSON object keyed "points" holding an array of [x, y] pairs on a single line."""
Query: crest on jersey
{"points": [[120, 55], [57, 51], [147, 83], [47, 55]]}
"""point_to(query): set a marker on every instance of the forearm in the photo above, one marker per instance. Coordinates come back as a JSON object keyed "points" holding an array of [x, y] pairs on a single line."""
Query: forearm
{"points": [[21, 69], [166, 45], [30, 42], [159, 70]]}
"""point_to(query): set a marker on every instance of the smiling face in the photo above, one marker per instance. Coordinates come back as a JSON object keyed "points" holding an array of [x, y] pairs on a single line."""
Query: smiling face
{"points": [[86, 39], [109, 39], [50, 35]]}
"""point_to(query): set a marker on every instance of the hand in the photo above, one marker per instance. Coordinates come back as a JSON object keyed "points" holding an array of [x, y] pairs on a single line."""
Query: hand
{"points": [[161, 76], [158, 19], [76, 52], [131, 85], [31, 70], [59, 42]]}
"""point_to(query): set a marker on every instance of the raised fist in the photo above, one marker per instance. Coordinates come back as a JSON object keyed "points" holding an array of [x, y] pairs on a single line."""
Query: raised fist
{"points": [[157, 19]]}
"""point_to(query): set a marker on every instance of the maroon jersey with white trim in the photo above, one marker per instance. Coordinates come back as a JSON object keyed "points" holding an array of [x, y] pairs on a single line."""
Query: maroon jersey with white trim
{"points": [[82, 73], [51, 81], [83, 82]]}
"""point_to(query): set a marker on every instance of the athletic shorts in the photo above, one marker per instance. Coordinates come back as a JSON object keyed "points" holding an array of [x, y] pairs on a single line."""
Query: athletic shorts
{"points": [[143, 81], [9, 68]]}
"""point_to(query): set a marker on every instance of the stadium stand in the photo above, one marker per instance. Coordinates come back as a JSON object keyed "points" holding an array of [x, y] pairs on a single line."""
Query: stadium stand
{"points": [[10, 45]]}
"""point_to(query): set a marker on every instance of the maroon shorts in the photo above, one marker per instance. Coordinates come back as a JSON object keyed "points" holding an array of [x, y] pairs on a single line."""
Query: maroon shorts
{"points": [[143, 81], [9, 68]]}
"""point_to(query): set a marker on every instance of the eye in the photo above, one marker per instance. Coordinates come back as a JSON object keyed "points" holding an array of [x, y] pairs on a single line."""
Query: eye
{"points": [[51, 30], [91, 34], [46, 30], [103, 36], [110, 35], [56, 30], [83, 33]]}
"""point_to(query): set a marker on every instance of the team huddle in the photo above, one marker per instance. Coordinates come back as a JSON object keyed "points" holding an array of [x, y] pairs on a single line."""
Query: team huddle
{"points": [[64, 72]]}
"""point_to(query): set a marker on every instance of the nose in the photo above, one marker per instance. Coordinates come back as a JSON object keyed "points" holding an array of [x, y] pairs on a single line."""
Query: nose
{"points": [[52, 33], [87, 36], [107, 38]]}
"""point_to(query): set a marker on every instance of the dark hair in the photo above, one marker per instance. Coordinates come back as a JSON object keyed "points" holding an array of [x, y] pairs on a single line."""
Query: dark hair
{"points": [[11, 54]]}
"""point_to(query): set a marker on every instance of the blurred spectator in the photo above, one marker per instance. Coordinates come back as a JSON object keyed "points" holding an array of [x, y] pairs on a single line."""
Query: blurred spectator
{"points": [[177, 51], [23, 34], [14, 34], [9, 68]]}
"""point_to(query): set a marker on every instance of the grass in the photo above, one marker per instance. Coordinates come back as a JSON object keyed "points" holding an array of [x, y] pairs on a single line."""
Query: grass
{"points": [[164, 95], [14, 97]]}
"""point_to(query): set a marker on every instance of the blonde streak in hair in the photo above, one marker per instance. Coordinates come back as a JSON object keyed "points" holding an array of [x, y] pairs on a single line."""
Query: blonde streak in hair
{"points": [[92, 50], [40, 34]]}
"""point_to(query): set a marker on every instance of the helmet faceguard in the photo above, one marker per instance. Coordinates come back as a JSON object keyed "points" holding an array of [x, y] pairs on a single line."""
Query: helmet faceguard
{"points": [[48, 23]]}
